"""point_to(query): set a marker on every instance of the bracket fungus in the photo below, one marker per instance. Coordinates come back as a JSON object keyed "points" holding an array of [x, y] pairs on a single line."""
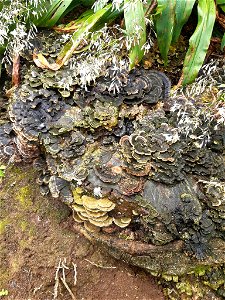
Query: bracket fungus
{"points": [[96, 213], [136, 162]]}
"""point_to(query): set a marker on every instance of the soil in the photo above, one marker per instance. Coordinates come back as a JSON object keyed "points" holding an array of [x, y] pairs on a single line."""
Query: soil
{"points": [[43, 258]]}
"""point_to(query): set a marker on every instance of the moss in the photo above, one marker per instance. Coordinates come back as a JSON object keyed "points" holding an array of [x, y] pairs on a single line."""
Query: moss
{"points": [[16, 170], [125, 236], [16, 263], [14, 173], [24, 243], [185, 287], [26, 227], [4, 292], [154, 273], [201, 270], [215, 285], [23, 225], [23, 196], [3, 224], [175, 278], [167, 277]]}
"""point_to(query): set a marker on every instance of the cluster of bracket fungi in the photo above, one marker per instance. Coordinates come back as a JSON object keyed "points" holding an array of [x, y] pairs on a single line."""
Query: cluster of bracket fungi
{"points": [[121, 159]]}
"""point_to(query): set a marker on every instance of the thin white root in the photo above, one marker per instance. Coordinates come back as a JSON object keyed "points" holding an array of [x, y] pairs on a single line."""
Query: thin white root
{"points": [[75, 273], [55, 294], [99, 266], [60, 270], [68, 289]]}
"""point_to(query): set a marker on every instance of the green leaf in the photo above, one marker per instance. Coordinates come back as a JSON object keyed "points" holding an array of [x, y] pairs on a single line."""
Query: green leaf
{"points": [[87, 3], [164, 24], [182, 13], [74, 25], [222, 6], [220, 2], [199, 41], [107, 18], [54, 11], [159, 9], [80, 34], [57, 9], [135, 29], [223, 42], [100, 4]]}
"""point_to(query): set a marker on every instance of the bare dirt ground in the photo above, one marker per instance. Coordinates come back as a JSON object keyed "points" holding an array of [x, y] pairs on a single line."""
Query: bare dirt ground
{"points": [[41, 257]]}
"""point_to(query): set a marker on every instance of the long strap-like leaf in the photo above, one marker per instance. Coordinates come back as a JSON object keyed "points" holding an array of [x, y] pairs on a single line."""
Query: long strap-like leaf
{"points": [[199, 41], [164, 24], [223, 42], [182, 13], [135, 29], [53, 12], [81, 33]]}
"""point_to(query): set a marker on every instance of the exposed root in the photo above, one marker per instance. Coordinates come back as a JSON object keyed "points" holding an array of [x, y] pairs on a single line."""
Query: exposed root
{"points": [[100, 266], [75, 273], [60, 276], [68, 289]]}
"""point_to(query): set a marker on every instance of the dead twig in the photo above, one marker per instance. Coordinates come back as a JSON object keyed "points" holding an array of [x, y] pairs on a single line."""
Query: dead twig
{"points": [[220, 18], [15, 70], [151, 7]]}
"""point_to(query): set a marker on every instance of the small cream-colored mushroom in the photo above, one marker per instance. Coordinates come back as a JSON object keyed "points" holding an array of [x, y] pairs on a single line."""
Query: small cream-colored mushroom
{"points": [[77, 218], [82, 217], [134, 212], [94, 210], [100, 219], [77, 196], [78, 207], [105, 223], [89, 202], [122, 222], [105, 204], [95, 213]]}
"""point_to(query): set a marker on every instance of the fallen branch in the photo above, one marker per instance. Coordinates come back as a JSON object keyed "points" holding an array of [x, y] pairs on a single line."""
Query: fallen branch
{"points": [[15, 70]]}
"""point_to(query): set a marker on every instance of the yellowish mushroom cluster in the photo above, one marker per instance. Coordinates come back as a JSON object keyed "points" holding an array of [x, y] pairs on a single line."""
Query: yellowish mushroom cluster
{"points": [[94, 213]]}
